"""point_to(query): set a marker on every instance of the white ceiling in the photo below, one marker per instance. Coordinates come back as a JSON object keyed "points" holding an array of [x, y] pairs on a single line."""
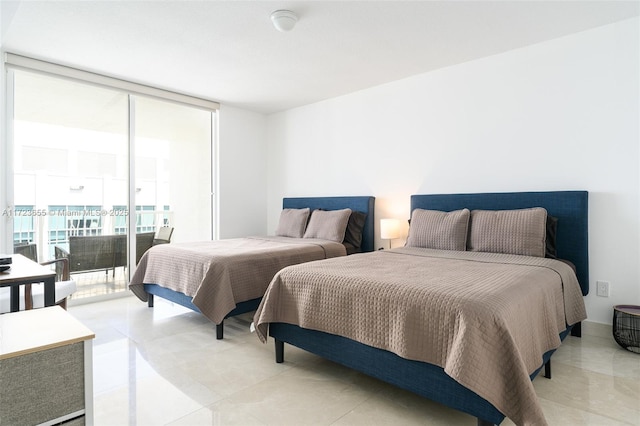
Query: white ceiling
{"points": [[229, 52]]}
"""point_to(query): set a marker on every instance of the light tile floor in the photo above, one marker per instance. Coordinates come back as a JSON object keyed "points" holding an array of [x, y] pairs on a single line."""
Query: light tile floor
{"points": [[164, 366]]}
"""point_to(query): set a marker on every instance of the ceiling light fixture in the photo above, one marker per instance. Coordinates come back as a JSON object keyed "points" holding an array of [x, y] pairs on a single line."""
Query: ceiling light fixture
{"points": [[284, 20]]}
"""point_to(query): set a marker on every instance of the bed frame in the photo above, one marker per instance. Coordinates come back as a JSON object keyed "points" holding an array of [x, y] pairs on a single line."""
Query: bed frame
{"points": [[428, 380], [365, 204]]}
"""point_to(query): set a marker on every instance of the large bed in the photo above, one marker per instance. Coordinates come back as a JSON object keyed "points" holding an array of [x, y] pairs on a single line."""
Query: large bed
{"points": [[224, 278], [467, 327]]}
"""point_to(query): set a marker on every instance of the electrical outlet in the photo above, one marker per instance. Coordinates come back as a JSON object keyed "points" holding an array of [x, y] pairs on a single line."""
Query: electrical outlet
{"points": [[603, 288]]}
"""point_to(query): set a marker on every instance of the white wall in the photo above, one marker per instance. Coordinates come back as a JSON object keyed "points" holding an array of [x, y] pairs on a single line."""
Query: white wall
{"points": [[6, 237], [559, 115], [242, 173]]}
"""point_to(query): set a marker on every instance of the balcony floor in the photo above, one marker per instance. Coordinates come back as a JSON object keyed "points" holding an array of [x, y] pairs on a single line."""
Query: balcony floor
{"points": [[99, 283]]}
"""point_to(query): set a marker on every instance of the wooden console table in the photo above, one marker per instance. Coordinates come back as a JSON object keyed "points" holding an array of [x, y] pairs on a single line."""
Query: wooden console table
{"points": [[46, 368]]}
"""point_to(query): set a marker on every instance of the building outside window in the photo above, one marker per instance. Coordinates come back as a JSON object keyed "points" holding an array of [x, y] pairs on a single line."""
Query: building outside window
{"points": [[23, 224]]}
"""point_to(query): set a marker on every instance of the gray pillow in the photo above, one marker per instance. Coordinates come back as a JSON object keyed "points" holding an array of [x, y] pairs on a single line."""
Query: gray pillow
{"points": [[439, 230], [328, 224], [355, 226], [521, 231], [292, 222]]}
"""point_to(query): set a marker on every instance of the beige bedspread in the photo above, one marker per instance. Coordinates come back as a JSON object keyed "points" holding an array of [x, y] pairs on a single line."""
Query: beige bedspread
{"points": [[220, 274], [486, 319]]}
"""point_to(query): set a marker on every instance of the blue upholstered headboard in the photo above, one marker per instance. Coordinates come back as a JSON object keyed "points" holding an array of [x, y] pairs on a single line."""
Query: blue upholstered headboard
{"points": [[570, 207], [364, 204]]}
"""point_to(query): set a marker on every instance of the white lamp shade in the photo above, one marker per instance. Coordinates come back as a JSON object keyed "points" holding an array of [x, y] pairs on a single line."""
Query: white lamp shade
{"points": [[389, 229]]}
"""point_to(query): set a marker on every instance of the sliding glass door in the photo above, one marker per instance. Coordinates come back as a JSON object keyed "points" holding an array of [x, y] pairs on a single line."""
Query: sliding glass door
{"points": [[70, 168], [82, 174], [173, 185]]}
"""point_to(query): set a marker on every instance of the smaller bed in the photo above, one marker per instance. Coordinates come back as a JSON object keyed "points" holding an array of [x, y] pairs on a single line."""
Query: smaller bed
{"points": [[224, 278], [458, 324]]}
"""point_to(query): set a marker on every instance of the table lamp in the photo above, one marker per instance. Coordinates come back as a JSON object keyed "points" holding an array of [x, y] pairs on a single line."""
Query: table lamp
{"points": [[389, 229]]}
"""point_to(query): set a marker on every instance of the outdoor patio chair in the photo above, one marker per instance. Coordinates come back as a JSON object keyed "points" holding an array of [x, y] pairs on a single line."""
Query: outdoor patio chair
{"points": [[28, 250], [164, 235]]}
